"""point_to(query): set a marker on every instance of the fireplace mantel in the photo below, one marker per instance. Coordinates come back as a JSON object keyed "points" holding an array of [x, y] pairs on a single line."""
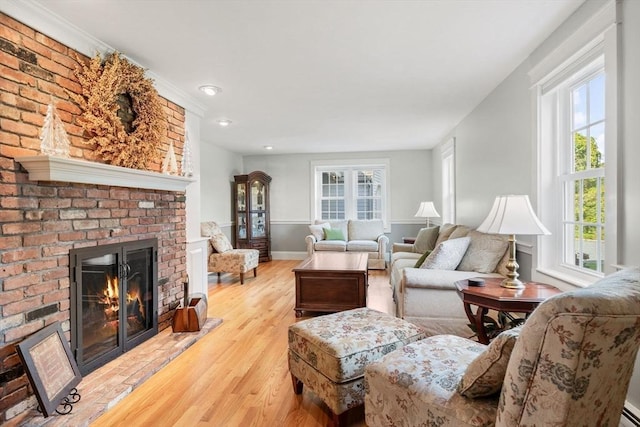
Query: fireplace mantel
{"points": [[50, 168]]}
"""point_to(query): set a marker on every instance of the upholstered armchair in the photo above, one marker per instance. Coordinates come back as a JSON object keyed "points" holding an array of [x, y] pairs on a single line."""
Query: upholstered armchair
{"points": [[223, 258], [569, 365]]}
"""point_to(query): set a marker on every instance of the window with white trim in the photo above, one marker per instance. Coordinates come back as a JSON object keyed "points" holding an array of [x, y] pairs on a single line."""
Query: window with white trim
{"points": [[350, 191], [577, 166]]}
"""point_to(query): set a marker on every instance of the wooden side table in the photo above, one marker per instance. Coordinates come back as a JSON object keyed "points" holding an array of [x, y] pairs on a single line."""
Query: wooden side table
{"points": [[411, 240], [492, 296]]}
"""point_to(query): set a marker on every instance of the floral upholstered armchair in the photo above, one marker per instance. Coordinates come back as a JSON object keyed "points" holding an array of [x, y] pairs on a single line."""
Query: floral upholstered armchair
{"points": [[569, 365], [223, 258]]}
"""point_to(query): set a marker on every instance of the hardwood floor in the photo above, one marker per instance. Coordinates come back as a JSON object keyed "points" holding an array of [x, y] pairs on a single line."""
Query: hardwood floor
{"points": [[237, 375]]}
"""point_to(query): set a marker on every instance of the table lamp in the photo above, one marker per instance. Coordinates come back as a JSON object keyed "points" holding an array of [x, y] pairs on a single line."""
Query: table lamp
{"points": [[512, 215], [427, 210]]}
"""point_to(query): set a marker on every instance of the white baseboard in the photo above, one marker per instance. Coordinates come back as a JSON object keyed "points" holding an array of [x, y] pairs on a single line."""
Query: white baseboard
{"points": [[280, 255], [630, 416]]}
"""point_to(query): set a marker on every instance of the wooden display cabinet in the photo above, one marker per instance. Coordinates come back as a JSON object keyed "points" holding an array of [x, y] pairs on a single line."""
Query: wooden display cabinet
{"points": [[251, 196]]}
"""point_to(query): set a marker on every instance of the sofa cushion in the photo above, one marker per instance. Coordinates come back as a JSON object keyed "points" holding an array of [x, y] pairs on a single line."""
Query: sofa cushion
{"points": [[318, 230], [447, 255], [362, 246], [333, 234], [485, 375], [426, 239], [460, 231], [331, 245], [365, 229], [484, 252], [336, 224], [445, 232], [436, 279]]}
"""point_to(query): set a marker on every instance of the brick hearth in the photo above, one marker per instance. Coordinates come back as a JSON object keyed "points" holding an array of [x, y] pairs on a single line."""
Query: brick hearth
{"points": [[102, 389]]}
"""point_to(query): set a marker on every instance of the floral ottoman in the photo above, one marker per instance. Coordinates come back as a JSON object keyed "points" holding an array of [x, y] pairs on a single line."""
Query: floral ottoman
{"points": [[328, 353]]}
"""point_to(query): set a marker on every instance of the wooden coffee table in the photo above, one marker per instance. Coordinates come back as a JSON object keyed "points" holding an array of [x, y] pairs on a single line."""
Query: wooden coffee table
{"points": [[331, 281], [492, 296]]}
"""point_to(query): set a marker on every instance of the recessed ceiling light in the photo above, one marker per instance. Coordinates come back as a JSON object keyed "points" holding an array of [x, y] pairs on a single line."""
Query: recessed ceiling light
{"points": [[210, 89], [268, 147], [224, 122]]}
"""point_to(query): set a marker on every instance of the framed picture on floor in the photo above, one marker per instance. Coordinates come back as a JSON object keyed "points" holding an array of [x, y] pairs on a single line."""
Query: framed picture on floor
{"points": [[51, 368]]}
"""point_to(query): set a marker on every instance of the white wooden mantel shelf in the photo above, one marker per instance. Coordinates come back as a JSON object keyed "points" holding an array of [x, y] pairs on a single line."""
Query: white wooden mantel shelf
{"points": [[50, 168]]}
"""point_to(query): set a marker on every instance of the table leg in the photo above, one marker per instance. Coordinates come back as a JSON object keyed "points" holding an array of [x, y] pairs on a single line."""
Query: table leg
{"points": [[477, 319]]}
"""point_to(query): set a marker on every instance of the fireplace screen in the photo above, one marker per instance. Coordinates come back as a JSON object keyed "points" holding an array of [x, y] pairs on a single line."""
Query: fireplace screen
{"points": [[114, 300]]}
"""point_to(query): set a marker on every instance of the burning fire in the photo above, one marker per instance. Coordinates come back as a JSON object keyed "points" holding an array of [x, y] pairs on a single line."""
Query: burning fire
{"points": [[112, 296]]}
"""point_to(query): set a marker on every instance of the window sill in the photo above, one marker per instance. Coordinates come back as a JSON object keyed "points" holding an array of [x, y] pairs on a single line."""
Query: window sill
{"points": [[564, 280]]}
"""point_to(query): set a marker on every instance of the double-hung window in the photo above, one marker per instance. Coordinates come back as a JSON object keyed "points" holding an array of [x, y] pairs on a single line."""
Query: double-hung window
{"points": [[582, 174], [576, 162], [350, 191]]}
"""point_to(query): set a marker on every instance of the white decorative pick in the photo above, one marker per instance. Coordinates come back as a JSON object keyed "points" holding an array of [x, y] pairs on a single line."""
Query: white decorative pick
{"points": [[169, 164], [53, 138], [187, 165]]}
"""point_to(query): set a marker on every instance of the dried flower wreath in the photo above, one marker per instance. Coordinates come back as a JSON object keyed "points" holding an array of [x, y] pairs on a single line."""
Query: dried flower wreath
{"points": [[122, 111]]}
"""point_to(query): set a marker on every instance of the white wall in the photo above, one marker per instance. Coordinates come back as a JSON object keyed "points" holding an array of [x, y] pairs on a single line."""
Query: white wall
{"points": [[217, 168], [410, 181], [494, 150], [493, 154]]}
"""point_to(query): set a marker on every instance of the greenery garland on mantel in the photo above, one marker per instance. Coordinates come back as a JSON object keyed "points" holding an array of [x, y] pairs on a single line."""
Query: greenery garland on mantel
{"points": [[122, 111]]}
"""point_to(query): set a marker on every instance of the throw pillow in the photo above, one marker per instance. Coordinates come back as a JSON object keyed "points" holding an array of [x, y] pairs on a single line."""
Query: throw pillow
{"points": [[220, 243], [484, 253], [426, 239], [445, 232], [421, 259], [460, 231], [485, 374], [447, 255], [318, 230], [333, 234]]}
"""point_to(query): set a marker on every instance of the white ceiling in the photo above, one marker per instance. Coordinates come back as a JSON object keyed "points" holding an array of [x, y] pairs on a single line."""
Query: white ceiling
{"points": [[325, 76]]}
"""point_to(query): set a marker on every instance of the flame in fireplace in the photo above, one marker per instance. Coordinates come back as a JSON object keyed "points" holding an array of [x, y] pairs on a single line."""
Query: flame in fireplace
{"points": [[111, 300]]}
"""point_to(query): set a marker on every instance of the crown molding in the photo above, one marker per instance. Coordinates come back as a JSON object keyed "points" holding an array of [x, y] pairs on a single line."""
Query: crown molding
{"points": [[35, 15]]}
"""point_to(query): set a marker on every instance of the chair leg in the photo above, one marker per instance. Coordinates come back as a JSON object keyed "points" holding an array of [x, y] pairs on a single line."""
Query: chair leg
{"points": [[255, 272], [242, 278], [297, 385], [218, 277], [336, 420]]}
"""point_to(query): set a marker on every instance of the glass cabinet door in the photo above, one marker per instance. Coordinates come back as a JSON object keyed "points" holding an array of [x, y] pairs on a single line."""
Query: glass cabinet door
{"points": [[258, 225], [241, 197], [257, 196]]}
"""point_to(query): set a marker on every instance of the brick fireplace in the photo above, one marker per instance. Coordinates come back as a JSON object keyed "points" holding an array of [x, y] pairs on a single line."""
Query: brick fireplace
{"points": [[41, 221]]}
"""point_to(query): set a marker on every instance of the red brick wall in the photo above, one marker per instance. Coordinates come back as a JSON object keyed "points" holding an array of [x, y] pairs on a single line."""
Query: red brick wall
{"points": [[41, 221]]}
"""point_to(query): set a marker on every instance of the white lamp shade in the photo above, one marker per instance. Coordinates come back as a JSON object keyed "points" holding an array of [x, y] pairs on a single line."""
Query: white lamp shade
{"points": [[427, 210], [512, 215]]}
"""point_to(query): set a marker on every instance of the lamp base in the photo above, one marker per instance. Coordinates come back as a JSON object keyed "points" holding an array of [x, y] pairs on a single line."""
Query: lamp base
{"points": [[512, 283]]}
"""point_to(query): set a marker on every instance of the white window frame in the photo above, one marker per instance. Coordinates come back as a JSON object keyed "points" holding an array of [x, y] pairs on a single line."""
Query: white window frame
{"points": [[597, 38], [448, 159], [350, 166]]}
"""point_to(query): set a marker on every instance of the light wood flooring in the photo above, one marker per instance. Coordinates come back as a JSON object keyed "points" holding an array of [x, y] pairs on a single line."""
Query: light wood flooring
{"points": [[237, 375]]}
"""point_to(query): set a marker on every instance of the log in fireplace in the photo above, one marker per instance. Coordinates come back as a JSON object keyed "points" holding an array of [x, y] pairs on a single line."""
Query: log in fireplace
{"points": [[114, 300]]}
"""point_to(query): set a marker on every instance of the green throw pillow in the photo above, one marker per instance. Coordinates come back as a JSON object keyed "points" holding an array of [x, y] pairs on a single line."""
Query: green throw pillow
{"points": [[333, 234], [421, 259]]}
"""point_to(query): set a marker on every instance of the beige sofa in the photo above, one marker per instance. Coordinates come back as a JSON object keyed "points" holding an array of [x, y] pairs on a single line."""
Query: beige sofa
{"points": [[427, 296], [357, 236]]}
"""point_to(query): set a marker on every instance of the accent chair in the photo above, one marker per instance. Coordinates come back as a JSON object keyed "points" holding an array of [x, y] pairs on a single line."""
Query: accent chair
{"points": [[223, 258], [569, 365]]}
